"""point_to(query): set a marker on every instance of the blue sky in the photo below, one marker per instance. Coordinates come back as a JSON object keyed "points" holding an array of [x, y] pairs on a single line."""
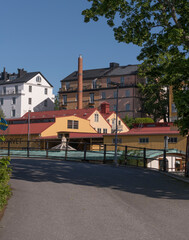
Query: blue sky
{"points": [[49, 35]]}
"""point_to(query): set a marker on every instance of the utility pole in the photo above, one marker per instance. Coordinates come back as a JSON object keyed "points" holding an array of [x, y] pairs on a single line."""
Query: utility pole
{"points": [[115, 155]]}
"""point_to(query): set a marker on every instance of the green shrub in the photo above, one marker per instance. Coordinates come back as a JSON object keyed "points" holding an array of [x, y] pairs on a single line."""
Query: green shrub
{"points": [[5, 172], [144, 120]]}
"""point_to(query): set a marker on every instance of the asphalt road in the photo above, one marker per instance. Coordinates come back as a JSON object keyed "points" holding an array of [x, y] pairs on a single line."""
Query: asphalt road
{"points": [[55, 200]]}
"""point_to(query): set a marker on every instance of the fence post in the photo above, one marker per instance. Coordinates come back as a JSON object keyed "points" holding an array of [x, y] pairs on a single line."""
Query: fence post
{"points": [[144, 160], [47, 147], [9, 148], [164, 161], [28, 148], [85, 151], [66, 150], [104, 159], [125, 155]]}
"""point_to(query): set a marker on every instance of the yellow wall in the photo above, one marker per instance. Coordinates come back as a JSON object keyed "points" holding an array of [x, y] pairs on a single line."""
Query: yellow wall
{"points": [[102, 123], [60, 125], [155, 141], [19, 141]]}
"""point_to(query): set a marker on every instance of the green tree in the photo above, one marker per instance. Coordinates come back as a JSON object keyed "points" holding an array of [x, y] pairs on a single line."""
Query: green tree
{"points": [[161, 29], [154, 99], [2, 115], [129, 121], [56, 103]]}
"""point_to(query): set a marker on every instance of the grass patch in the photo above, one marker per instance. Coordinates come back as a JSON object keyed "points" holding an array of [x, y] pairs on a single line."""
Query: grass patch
{"points": [[5, 189]]}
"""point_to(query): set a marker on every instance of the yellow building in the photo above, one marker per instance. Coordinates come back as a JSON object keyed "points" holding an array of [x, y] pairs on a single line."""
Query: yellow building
{"points": [[148, 136]]}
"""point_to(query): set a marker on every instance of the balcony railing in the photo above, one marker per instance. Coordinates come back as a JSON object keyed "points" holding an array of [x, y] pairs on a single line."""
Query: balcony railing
{"points": [[11, 92]]}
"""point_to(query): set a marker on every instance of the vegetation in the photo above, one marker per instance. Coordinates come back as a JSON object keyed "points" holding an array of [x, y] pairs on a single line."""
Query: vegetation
{"points": [[5, 190], [2, 115], [130, 121], [155, 100], [56, 103], [161, 28]]}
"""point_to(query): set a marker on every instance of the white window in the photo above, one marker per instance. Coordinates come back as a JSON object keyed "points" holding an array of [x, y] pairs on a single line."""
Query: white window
{"points": [[114, 108], [115, 94], [94, 84], [38, 79], [99, 130], [96, 117], [67, 85], [13, 113], [64, 99], [91, 97], [108, 80], [30, 88], [143, 140], [172, 140], [29, 101], [128, 107], [1, 101], [45, 91], [4, 90], [16, 89], [103, 95], [119, 140], [76, 97], [104, 130], [45, 103], [72, 124], [127, 93], [13, 100], [122, 80]]}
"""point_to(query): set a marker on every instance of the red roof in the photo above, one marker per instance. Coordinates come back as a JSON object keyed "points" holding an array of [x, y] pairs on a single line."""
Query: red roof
{"points": [[22, 129], [82, 113], [152, 129], [85, 135]]}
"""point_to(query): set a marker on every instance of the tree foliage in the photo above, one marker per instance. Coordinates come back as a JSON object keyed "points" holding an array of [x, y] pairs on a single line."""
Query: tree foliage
{"points": [[154, 100], [161, 29]]}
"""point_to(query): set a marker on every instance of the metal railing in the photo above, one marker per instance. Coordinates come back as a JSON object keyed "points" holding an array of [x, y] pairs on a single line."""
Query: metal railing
{"points": [[94, 153]]}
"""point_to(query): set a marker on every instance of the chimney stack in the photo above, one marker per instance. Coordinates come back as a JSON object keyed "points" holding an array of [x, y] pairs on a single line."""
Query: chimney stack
{"points": [[80, 83]]}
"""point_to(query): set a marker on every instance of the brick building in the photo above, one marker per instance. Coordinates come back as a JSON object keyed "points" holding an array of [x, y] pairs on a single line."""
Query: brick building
{"points": [[96, 88]]}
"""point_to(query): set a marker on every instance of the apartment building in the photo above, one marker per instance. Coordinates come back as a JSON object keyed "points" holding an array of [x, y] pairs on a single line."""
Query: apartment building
{"points": [[95, 87], [24, 91]]}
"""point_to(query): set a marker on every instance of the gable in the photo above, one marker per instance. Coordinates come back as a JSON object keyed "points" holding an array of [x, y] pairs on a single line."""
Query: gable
{"points": [[40, 80]]}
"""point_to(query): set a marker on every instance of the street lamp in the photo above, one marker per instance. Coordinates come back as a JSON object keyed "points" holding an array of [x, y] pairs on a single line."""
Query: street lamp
{"points": [[117, 85]]}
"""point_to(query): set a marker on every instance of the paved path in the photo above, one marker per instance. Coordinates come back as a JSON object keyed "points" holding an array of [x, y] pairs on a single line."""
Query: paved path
{"points": [[55, 200]]}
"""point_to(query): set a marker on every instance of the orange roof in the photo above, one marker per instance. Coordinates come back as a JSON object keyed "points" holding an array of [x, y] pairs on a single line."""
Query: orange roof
{"points": [[22, 129], [152, 129], [82, 113]]}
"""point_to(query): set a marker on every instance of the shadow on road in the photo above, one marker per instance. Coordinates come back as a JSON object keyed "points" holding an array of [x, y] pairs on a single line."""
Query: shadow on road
{"points": [[133, 180]]}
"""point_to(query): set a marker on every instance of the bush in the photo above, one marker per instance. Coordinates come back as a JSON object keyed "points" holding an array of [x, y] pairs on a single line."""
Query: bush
{"points": [[5, 172], [144, 120]]}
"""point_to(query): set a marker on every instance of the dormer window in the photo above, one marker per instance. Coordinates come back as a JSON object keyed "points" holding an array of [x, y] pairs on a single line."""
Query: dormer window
{"points": [[38, 79]]}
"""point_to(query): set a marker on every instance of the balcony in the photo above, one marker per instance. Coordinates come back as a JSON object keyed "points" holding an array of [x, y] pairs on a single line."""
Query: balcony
{"points": [[12, 92]]}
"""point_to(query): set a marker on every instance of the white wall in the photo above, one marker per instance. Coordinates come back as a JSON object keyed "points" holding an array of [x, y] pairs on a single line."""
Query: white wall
{"points": [[21, 106], [38, 96]]}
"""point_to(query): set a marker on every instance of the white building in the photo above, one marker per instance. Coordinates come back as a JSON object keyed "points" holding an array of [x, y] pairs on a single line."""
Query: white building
{"points": [[23, 92]]}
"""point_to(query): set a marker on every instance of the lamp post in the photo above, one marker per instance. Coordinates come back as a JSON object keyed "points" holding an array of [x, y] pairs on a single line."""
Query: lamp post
{"points": [[115, 155]]}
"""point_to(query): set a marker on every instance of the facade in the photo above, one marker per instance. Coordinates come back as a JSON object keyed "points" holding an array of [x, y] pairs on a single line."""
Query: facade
{"points": [[96, 88], [23, 92], [150, 135], [55, 124]]}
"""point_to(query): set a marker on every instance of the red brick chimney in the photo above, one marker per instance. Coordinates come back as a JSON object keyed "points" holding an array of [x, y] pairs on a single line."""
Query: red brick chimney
{"points": [[80, 83], [105, 107]]}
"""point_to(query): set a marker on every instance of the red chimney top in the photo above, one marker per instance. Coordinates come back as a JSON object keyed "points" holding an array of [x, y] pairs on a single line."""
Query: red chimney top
{"points": [[105, 107]]}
